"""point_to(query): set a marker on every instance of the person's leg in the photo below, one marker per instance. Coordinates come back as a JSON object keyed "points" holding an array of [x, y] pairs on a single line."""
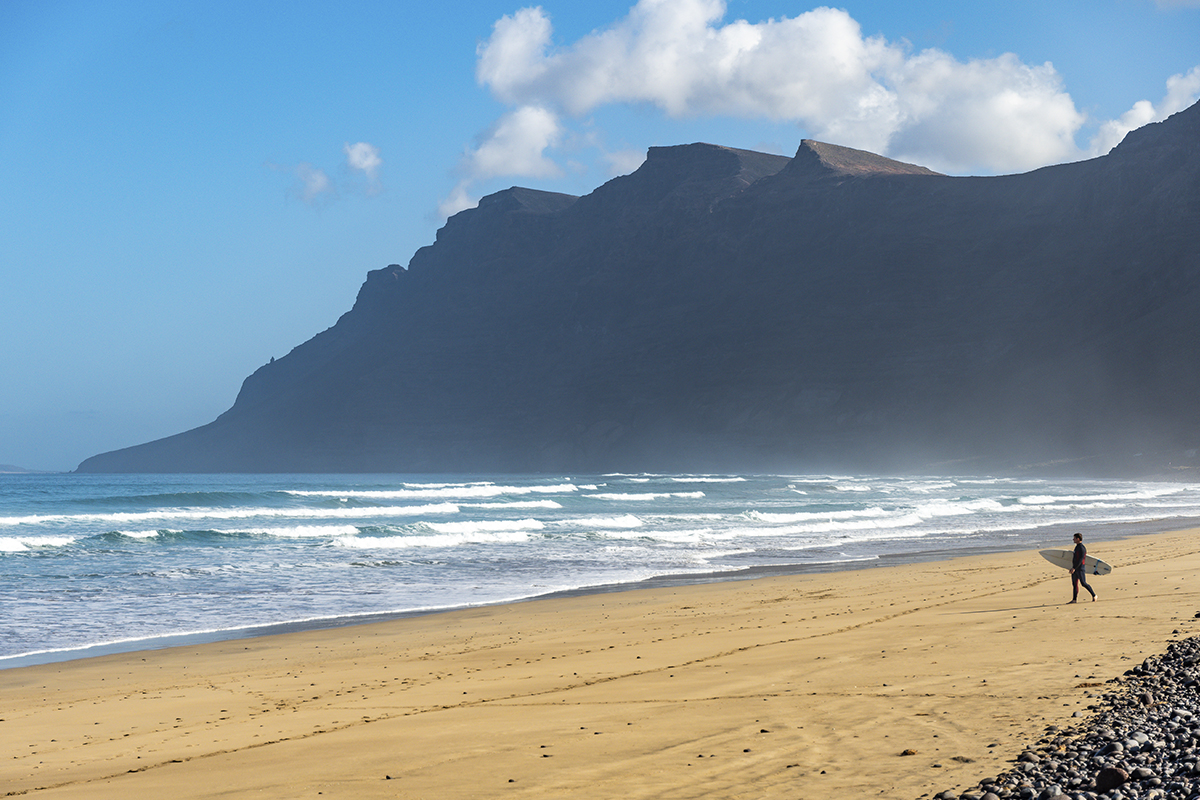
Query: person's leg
{"points": [[1074, 587], [1086, 585]]}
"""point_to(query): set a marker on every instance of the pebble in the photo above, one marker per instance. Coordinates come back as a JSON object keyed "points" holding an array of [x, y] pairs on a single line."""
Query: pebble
{"points": [[1142, 742]]}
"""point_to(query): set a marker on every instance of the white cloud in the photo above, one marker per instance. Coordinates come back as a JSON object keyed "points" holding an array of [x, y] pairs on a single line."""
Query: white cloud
{"points": [[515, 146], [1112, 132], [364, 157], [816, 70], [674, 55], [311, 183], [515, 54], [996, 114], [1182, 91], [459, 200], [623, 162]]}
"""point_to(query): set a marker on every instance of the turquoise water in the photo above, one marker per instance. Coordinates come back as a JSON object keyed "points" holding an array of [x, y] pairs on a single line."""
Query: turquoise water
{"points": [[124, 560]]}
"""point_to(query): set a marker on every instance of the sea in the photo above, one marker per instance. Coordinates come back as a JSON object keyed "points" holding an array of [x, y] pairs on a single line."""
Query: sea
{"points": [[95, 564]]}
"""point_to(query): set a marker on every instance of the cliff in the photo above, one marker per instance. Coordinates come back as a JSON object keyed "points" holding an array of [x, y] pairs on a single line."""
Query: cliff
{"points": [[721, 309]]}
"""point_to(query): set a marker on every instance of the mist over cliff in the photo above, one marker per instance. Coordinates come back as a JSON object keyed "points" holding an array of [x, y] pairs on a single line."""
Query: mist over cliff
{"points": [[721, 309]]}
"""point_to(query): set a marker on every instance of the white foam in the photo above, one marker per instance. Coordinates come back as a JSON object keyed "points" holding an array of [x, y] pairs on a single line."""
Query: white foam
{"points": [[909, 520], [516, 504], [712, 555], [861, 519], [446, 485], [299, 531], [645, 496], [476, 526], [951, 508], [706, 479], [624, 521], [694, 536], [805, 516], [925, 488], [434, 541], [1124, 497], [1051, 507], [463, 491], [692, 517], [17, 544], [126, 517]]}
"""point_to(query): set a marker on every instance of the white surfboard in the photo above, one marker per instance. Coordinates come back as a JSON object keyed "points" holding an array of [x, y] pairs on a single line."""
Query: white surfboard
{"points": [[1063, 558]]}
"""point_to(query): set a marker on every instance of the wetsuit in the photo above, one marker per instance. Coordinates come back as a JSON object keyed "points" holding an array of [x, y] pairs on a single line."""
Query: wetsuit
{"points": [[1078, 574]]}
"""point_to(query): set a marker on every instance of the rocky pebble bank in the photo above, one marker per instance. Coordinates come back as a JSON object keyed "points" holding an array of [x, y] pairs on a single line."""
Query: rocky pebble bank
{"points": [[1142, 742]]}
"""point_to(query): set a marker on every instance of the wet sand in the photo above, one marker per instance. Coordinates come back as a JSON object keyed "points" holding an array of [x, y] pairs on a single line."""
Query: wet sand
{"points": [[786, 686]]}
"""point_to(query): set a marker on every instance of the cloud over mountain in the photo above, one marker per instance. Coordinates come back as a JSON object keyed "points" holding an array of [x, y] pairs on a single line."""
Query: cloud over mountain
{"points": [[816, 70]]}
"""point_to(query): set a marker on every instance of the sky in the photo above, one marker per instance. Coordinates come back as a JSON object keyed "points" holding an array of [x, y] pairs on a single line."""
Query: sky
{"points": [[190, 189]]}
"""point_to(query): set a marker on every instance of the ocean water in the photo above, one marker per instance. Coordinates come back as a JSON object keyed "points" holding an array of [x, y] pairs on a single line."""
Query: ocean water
{"points": [[96, 563]]}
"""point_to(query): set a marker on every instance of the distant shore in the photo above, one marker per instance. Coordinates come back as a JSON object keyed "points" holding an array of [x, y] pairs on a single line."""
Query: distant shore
{"points": [[780, 686]]}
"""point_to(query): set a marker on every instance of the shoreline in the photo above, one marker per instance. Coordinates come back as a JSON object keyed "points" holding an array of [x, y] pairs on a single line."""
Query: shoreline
{"points": [[1105, 530], [781, 686]]}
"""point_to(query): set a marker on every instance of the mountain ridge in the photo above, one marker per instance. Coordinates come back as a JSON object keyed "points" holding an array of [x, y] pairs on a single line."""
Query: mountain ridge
{"points": [[726, 309]]}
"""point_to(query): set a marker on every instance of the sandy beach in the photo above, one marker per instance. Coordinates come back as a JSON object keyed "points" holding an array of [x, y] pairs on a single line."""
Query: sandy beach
{"points": [[794, 686]]}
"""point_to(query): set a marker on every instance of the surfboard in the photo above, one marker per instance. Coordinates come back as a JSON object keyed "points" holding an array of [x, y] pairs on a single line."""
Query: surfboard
{"points": [[1063, 558]]}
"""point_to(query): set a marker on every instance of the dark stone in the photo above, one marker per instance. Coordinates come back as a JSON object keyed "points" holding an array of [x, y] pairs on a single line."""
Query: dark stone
{"points": [[1110, 778], [721, 309]]}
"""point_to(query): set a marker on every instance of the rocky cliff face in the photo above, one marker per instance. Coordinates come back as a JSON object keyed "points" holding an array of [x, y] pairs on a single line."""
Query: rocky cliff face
{"points": [[720, 309]]}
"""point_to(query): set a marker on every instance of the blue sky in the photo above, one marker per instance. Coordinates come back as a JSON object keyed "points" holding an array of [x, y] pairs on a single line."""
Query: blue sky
{"points": [[191, 188]]}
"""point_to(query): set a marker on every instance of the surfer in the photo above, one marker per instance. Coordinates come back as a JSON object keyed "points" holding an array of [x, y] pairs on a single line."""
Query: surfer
{"points": [[1078, 573]]}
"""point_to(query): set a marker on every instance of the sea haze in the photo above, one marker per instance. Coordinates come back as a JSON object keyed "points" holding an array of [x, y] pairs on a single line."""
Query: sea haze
{"points": [[126, 562]]}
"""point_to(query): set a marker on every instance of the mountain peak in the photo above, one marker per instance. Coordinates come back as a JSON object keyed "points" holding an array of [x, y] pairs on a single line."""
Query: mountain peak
{"points": [[712, 161], [848, 161], [693, 175], [1180, 130], [529, 201], [711, 169]]}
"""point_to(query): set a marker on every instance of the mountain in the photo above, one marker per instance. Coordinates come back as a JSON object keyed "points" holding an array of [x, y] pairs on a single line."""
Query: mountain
{"points": [[721, 309]]}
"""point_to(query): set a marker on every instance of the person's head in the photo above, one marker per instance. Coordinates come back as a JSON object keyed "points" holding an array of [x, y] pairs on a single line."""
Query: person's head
{"points": [[1078, 538]]}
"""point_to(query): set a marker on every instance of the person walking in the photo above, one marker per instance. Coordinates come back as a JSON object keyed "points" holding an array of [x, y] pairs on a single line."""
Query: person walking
{"points": [[1078, 571]]}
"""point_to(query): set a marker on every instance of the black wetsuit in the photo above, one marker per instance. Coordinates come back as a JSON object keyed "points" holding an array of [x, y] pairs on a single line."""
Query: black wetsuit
{"points": [[1078, 573]]}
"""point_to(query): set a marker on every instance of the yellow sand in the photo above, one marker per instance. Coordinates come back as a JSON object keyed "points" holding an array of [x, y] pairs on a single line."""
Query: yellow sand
{"points": [[791, 687]]}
